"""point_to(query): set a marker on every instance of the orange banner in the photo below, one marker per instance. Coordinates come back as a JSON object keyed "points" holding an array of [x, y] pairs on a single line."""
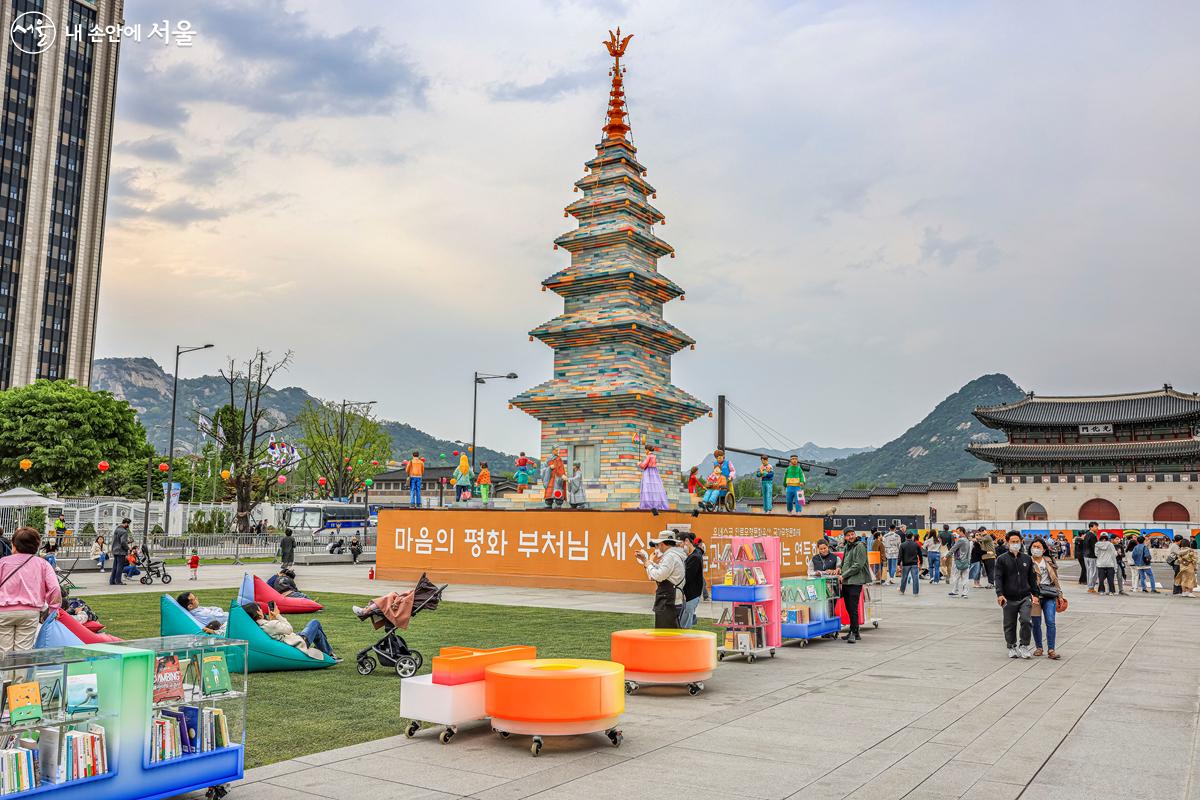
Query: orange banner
{"points": [[559, 549]]}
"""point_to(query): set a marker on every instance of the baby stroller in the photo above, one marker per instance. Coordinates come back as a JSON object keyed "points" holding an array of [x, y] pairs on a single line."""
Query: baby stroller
{"points": [[392, 650], [152, 569]]}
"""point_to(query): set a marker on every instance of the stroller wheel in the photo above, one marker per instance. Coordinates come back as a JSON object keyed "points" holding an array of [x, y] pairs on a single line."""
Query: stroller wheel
{"points": [[366, 665], [146, 580], [166, 578], [412, 729], [406, 666], [420, 659]]}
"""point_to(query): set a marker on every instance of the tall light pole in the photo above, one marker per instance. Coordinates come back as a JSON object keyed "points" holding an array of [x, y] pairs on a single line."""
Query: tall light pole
{"points": [[481, 377], [179, 350]]}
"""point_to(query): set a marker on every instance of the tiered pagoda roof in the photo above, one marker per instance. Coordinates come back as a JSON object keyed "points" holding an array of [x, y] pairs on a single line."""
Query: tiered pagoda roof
{"points": [[1086, 451], [612, 345], [1162, 405]]}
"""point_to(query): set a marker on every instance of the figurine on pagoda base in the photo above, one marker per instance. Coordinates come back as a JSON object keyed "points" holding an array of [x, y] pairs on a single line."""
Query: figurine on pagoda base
{"points": [[611, 390]]}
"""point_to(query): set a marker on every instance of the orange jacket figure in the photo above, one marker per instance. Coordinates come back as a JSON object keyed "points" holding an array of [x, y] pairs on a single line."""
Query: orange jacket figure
{"points": [[416, 467]]}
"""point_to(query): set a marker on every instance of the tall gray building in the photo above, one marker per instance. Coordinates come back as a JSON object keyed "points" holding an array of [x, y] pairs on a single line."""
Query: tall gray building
{"points": [[55, 139]]}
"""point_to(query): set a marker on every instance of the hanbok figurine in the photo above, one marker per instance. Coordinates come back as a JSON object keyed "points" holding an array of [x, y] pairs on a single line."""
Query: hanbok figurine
{"points": [[654, 496], [554, 474]]}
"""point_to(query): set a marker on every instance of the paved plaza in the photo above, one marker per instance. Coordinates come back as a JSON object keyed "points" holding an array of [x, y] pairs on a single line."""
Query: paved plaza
{"points": [[927, 706]]}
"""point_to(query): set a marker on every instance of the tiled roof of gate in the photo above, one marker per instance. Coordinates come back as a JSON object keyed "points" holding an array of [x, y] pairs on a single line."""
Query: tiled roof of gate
{"points": [[1163, 404]]}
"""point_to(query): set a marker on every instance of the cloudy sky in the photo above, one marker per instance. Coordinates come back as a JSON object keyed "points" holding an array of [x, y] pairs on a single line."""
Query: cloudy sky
{"points": [[873, 203]]}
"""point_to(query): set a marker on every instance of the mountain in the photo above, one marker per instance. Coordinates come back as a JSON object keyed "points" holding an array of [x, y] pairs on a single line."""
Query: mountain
{"points": [[934, 448], [147, 387], [746, 465]]}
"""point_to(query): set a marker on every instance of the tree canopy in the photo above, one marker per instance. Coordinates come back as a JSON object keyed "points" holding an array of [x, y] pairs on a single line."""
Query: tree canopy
{"points": [[65, 431], [340, 442]]}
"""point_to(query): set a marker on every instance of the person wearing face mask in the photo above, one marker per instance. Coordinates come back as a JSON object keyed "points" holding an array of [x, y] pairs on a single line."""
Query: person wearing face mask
{"points": [[1016, 583], [854, 574], [1048, 592]]}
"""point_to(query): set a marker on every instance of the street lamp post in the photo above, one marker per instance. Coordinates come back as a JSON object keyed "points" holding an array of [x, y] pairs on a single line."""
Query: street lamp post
{"points": [[481, 377], [179, 350]]}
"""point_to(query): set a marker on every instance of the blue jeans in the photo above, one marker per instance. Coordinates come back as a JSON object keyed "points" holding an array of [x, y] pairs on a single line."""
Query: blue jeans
{"points": [[976, 569], [768, 489], [712, 496], [935, 568], [892, 562], [414, 491], [1049, 610], [314, 634], [1145, 573], [793, 498], [913, 572], [687, 612]]}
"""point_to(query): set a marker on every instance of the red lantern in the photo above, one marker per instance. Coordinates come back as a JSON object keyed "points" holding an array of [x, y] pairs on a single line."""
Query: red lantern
{"points": [[374, 463], [321, 481], [102, 466], [163, 467], [455, 453], [346, 459], [282, 479], [349, 468]]}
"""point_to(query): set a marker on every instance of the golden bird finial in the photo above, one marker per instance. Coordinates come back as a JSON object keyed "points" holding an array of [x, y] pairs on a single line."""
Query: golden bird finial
{"points": [[616, 126], [616, 45]]}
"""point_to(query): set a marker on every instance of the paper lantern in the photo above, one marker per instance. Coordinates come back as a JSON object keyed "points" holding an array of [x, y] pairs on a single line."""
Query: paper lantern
{"points": [[360, 462], [404, 464], [374, 463], [225, 474], [442, 456], [26, 464], [102, 466], [163, 467], [321, 481], [346, 459], [369, 483], [470, 448], [282, 479], [349, 468], [455, 453]]}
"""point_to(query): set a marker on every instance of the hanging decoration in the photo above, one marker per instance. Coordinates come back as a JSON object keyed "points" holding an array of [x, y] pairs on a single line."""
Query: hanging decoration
{"points": [[321, 481], [282, 479], [225, 474], [369, 483], [26, 464], [102, 466], [164, 467]]}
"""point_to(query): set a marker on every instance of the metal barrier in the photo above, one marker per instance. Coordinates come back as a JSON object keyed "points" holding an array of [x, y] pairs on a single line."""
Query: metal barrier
{"points": [[237, 546]]}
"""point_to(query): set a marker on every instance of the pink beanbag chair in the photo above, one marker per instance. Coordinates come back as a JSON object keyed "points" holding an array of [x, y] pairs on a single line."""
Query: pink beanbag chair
{"points": [[93, 625], [263, 594], [86, 636]]}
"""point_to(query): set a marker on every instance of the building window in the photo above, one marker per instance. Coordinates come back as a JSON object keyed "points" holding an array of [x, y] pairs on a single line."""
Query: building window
{"points": [[588, 457]]}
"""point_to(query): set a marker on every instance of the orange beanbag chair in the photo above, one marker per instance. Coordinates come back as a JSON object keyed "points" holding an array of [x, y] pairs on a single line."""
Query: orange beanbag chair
{"points": [[86, 636], [264, 594]]}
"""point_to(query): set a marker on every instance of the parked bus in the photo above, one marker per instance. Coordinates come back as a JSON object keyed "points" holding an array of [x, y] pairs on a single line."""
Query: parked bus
{"points": [[327, 521]]}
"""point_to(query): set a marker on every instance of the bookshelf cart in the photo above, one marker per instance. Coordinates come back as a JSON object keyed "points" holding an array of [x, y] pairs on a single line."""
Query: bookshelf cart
{"points": [[807, 611], [123, 691], [751, 619]]}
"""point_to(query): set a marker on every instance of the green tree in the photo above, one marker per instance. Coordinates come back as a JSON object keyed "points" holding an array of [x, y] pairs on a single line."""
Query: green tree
{"points": [[334, 436], [66, 430]]}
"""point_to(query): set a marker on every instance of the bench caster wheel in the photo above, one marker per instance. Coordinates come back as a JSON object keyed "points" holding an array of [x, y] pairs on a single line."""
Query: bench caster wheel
{"points": [[445, 736], [631, 687], [536, 747], [412, 729], [216, 792], [615, 736], [695, 688], [720, 656], [750, 659]]}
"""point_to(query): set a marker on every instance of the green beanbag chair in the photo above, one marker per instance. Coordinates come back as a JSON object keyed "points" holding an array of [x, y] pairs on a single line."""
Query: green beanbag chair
{"points": [[267, 654]]}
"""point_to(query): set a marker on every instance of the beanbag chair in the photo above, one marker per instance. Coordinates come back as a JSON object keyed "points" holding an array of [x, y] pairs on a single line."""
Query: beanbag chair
{"points": [[267, 654], [94, 626], [263, 594], [84, 635], [54, 634], [174, 620]]}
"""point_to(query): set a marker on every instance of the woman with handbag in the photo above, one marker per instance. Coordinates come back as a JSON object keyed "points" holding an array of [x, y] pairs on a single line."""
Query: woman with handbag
{"points": [[28, 588], [1051, 594]]}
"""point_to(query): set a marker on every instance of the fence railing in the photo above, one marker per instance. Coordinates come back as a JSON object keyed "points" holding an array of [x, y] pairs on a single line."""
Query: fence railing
{"points": [[212, 545]]}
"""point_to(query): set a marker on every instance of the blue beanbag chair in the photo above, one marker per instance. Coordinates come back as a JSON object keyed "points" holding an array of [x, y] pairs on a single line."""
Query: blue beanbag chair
{"points": [[54, 634], [267, 654]]}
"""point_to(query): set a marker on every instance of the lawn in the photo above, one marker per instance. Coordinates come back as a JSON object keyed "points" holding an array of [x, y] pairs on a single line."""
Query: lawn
{"points": [[292, 714]]}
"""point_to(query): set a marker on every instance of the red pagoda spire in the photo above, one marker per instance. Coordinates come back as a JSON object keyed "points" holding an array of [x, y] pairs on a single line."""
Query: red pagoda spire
{"points": [[616, 127]]}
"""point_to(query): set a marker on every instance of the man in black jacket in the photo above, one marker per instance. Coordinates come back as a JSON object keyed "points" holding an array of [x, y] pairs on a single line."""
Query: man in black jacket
{"points": [[1016, 582], [693, 578], [910, 564], [1089, 554]]}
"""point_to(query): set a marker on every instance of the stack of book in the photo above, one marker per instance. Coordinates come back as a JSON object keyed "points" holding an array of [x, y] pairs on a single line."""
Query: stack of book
{"points": [[19, 768], [187, 730]]}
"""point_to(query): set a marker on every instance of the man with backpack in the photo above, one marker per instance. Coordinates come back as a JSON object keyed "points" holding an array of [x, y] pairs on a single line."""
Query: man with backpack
{"points": [[1143, 563], [1016, 580]]}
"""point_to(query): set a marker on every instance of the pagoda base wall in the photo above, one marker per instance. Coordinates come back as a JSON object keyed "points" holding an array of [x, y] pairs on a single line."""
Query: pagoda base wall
{"points": [[621, 442]]}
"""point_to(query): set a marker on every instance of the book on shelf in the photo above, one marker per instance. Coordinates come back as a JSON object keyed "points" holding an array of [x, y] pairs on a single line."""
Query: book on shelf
{"points": [[726, 618], [50, 687], [24, 702], [812, 592], [759, 575], [214, 674], [743, 554], [760, 552], [83, 693], [186, 730], [760, 615], [743, 615], [725, 555], [18, 772], [729, 640], [168, 679], [743, 640]]}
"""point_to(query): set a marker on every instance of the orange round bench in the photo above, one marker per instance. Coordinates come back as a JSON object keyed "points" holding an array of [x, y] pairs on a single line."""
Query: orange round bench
{"points": [[665, 656], [555, 697]]}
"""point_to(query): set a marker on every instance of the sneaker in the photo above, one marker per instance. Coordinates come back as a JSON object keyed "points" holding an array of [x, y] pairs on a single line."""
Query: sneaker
{"points": [[954, 594], [1023, 651], [1091, 591], [963, 595], [359, 611], [1012, 652]]}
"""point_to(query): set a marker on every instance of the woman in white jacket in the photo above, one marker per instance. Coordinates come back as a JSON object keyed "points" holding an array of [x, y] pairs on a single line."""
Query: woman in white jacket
{"points": [[666, 566], [1106, 564], [99, 552]]}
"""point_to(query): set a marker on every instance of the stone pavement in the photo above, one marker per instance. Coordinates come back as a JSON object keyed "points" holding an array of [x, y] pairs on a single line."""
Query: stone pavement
{"points": [[927, 706]]}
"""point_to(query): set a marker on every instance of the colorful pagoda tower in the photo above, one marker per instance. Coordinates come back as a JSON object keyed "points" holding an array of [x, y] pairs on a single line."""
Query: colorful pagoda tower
{"points": [[611, 393]]}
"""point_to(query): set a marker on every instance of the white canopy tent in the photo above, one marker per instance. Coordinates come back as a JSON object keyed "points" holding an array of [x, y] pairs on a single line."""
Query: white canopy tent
{"points": [[21, 497]]}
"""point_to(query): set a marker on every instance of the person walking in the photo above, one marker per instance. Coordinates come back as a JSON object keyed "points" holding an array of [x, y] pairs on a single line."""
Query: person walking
{"points": [[933, 555], [287, 549], [1106, 564], [121, 539], [854, 575], [910, 564], [976, 558], [877, 547], [28, 586], [1080, 549], [1185, 579], [1089, 554], [693, 578], [1143, 563], [891, 552], [1173, 561], [666, 566], [988, 545], [1016, 582], [1119, 547], [960, 554], [1049, 591]]}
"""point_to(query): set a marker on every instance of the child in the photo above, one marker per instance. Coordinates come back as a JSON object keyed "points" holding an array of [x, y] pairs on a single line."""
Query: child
{"points": [[576, 495], [693, 484], [194, 564], [484, 481], [522, 474]]}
